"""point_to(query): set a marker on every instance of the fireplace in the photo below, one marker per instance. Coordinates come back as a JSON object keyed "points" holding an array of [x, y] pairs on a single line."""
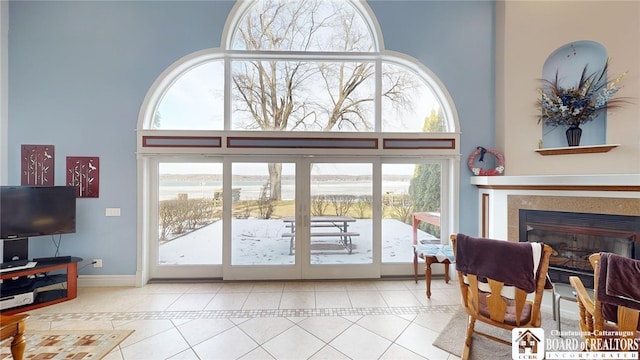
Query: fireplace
{"points": [[574, 236]]}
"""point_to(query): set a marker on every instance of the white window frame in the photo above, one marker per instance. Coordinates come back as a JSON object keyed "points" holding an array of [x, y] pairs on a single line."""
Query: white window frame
{"points": [[443, 147]]}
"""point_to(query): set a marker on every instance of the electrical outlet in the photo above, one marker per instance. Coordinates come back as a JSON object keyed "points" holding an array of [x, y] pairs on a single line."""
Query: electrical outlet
{"points": [[112, 212], [97, 263]]}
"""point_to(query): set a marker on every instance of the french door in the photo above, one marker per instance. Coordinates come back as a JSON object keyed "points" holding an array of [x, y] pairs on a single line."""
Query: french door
{"points": [[291, 217], [251, 217]]}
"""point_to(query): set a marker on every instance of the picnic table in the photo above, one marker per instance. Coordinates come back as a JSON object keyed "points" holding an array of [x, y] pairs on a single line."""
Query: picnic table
{"points": [[336, 226]]}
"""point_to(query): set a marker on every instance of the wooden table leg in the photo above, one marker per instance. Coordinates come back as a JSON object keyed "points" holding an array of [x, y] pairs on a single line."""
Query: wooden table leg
{"points": [[427, 273], [18, 345], [446, 271], [15, 328]]}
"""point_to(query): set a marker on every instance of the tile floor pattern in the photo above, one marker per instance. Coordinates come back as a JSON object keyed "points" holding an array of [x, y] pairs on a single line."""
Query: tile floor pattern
{"points": [[367, 319]]}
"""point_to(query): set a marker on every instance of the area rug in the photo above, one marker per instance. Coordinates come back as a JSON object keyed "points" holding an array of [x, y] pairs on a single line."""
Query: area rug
{"points": [[67, 344], [451, 339]]}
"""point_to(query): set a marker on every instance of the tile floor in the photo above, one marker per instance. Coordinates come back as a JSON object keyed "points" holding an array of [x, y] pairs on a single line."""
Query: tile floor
{"points": [[368, 319]]}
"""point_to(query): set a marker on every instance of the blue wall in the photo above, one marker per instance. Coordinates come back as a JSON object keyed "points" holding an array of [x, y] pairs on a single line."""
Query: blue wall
{"points": [[79, 71], [455, 39]]}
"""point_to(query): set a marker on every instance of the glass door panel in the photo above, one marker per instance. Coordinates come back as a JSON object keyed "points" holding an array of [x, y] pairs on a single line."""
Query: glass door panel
{"points": [[341, 230], [409, 190], [263, 195], [189, 214], [292, 217]]}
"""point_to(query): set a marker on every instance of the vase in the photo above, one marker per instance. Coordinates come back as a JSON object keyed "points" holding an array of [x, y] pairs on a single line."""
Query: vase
{"points": [[573, 135]]}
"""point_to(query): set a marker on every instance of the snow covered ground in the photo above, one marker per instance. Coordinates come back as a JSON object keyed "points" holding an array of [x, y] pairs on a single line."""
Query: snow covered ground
{"points": [[260, 242]]}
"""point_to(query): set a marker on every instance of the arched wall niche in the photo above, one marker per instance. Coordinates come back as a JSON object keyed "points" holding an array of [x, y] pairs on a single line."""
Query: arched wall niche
{"points": [[567, 62]]}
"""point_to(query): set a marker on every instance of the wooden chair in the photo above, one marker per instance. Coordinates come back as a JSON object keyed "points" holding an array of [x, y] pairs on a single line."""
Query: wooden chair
{"points": [[12, 326], [496, 292], [605, 320]]}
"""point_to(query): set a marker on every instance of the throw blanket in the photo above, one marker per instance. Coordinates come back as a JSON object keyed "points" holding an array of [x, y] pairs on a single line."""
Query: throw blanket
{"points": [[441, 252], [618, 283], [512, 263]]}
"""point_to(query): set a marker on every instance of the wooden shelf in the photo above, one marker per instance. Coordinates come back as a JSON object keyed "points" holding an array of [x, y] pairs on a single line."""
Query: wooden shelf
{"points": [[577, 149]]}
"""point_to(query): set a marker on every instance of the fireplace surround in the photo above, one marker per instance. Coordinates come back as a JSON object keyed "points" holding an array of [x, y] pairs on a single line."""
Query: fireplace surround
{"points": [[574, 236], [502, 198]]}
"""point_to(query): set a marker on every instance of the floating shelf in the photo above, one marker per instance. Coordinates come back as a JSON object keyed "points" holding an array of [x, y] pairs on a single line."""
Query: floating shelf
{"points": [[577, 149]]}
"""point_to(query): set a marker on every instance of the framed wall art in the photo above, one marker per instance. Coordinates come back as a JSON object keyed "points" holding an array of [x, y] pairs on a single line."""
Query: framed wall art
{"points": [[83, 172], [37, 165]]}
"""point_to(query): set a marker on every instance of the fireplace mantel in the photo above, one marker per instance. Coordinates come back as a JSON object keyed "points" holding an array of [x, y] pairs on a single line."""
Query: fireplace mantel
{"points": [[501, 197], [604, 182]]}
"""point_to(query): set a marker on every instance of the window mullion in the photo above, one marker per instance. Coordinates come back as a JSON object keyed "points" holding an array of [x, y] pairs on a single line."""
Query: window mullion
{"points": [[227, 93], [377, 102]]}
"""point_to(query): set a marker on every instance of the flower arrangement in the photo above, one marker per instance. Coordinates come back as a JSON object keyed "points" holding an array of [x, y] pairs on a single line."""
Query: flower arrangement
{"points": [[580, 104]]}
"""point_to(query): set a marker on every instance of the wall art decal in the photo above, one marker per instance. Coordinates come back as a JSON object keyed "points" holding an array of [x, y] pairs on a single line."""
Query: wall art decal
{"points": [[37, 165], [83, 172]]}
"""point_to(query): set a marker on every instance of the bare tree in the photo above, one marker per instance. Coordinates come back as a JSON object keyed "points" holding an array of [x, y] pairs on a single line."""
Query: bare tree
{"points": [[363, 204], [319, 205], [168, 218], [285, 95], [401, 207], [265, 203], [342, 203]]}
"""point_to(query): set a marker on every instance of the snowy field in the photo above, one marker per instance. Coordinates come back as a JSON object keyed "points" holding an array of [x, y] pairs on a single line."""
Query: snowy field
{"points": [[260, 242]]}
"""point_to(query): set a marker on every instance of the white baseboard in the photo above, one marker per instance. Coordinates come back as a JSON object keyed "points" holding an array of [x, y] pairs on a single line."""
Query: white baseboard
{"points": [[106, 280]]}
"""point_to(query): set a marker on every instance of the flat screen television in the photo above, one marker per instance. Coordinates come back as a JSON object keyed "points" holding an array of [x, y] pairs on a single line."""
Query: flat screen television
{"points": [[34, 211]]}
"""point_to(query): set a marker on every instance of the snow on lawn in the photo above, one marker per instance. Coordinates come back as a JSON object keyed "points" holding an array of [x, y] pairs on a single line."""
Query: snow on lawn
{"points": [[260, 242]]}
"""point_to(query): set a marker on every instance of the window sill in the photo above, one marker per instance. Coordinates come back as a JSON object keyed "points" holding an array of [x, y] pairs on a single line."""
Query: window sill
{"points": [[577, 149]]}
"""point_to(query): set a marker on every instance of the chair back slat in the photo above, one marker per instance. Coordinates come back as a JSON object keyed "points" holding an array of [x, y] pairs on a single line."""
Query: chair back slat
{"points": [[471, 297], [520, 302], [497, 305]]}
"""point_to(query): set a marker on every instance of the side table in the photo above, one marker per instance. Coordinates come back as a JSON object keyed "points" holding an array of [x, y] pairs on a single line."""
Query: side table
{"points": [[435, 254]]}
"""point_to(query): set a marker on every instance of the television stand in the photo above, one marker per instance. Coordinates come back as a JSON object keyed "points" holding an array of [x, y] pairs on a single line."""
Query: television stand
{"points": [[40, 286]]}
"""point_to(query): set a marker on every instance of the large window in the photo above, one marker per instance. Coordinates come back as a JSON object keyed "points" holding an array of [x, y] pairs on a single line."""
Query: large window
{"points": [[300, 66], [292, 81]]}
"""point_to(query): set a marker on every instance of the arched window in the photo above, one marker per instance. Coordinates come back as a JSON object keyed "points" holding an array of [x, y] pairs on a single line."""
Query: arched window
{"points": [[299, 113], [301, 66], [306, 26], [195, 100]]}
